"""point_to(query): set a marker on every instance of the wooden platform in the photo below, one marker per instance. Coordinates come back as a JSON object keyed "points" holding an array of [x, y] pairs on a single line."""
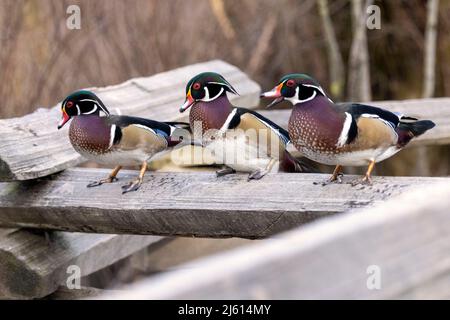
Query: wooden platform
{"points": [[405, 242], [189, 204], [33, 265]]}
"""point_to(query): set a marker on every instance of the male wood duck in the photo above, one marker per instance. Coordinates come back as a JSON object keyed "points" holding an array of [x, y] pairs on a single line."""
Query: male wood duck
{"points": [[211, 111], [116, 140], [344, 134]]}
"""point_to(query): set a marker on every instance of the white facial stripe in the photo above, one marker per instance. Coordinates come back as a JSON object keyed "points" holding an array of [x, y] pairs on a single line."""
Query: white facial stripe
{"points": [[206, 93], [78, 109], [207, 98], [345, 129], [315, 87], [93, 110], [225, 84], [294, 100], [112, 135], [318, 88], [97, 104]]}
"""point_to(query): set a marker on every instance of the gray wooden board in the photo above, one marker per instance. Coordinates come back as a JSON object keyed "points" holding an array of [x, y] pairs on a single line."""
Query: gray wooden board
{"points": [[406, 240], [32, 267], [435, 109], [188, 204], [166, 254], [63, 293], [170, 253], [32, 147]]}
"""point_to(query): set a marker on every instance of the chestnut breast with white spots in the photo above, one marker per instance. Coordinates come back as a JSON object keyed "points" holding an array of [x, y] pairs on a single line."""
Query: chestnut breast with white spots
{"points": [[90, 134], [315, 130], [205, 116]]}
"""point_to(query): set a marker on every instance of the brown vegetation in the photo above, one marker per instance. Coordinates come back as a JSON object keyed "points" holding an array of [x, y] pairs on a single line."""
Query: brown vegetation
{"points": [[41, 60]]}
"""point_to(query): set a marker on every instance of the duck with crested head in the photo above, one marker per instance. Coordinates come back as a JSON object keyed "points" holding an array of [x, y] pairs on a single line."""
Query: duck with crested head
{"points": [[342, 134], [117, 140], [213, 117]]}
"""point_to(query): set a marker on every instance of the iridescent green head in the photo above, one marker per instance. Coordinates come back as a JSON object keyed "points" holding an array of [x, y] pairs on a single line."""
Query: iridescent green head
{"points": [[296, 88], [206, 86]]}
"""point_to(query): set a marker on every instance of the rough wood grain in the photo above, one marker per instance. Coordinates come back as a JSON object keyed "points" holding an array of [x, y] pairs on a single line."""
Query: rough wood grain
{"points": [[187, 204], [436, 109], [32, 147], [171, 253], [63, 293], [167, 254], [32, 267], [408, 238]]}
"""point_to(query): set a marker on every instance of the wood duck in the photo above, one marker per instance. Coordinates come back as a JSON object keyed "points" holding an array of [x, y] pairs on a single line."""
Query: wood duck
{"points": [[342, 134], [212, 115], [116, 140]]}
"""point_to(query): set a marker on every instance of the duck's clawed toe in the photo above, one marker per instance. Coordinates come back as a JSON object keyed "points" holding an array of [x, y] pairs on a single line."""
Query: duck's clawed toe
{"points": [[367, 180], [335, 178], [225, 171], [133, 185], [100, 182], [257, 174]]}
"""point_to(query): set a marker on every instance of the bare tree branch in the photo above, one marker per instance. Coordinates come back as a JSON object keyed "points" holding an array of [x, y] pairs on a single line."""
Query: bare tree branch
{"points": [[359, 71], [430, 48], [263, 46], [218, 9], [335, 62]]}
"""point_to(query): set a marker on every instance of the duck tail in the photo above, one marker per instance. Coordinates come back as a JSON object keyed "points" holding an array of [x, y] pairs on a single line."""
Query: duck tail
{"points": [[409, 128], [418, 127]]}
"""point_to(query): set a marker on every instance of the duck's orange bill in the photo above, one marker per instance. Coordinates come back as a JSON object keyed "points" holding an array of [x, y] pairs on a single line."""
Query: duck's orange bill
{"points": [[274, 93], [188, 103], [63, 120]]}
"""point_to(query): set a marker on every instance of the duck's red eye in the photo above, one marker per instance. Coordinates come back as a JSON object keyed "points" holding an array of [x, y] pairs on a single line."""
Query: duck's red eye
{"points": [[69, 104], [290, 83], [196, 86]]}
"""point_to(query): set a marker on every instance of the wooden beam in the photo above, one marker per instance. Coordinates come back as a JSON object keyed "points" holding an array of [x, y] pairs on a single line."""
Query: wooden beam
{"points": [[63, 293], [33, 266], [406, 241], [32, 147], [173, 253], [436, 109], [188, 204], [170, 253]]}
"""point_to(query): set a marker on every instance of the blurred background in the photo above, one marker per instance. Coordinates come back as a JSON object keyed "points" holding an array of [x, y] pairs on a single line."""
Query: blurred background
{"points": [[41, 60]]}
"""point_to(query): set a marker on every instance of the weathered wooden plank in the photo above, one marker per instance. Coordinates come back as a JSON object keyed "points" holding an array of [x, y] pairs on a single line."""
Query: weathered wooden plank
{"points": [[436, 109], [173, 253], [169, 253], [43, 150], [406, 241], [63, 293], [188, 204], [32, 267]]}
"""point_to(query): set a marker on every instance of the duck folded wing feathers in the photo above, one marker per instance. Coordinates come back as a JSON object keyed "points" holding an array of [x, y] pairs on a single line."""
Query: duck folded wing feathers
{"points": [[239, 115]]}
